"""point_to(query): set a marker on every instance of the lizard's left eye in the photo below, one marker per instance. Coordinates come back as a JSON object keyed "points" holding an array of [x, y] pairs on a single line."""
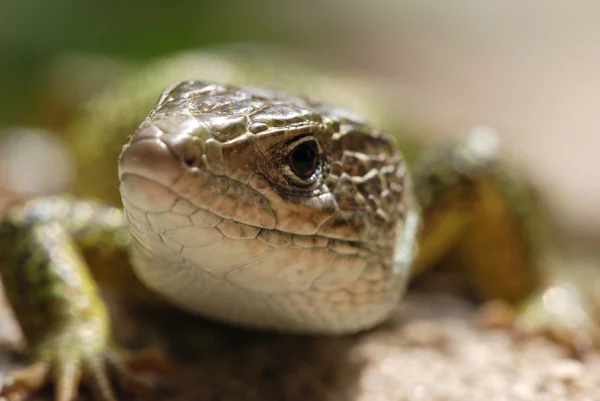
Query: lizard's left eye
{"points": [[304, 159], [301, 162]]}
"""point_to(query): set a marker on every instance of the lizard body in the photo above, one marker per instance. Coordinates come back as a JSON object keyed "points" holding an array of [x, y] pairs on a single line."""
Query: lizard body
{"points": [[255, 207]]}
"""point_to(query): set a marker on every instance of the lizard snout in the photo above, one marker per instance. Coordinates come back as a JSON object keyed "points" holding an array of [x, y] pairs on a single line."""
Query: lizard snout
{"points": [[163, 150]]}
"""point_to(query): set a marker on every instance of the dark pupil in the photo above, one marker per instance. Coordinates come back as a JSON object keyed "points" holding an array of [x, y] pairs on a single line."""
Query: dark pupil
{"points": [[303, 160]]}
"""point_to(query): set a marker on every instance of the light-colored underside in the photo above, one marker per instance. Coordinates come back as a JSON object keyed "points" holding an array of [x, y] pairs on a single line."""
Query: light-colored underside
{"points": [[254, 276]]}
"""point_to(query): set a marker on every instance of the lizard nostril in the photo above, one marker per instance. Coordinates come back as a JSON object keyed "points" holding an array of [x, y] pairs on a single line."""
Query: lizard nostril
{"points": [[190, 160], [187, 149]]}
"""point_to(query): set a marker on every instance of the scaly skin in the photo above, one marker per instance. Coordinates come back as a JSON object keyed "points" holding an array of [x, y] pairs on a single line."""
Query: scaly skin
{"points": [[225, 226]]}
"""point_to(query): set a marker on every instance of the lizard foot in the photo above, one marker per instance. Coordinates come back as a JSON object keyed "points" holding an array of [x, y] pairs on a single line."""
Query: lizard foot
{"points": [[564, 314], [96, 371], [560, 312]]}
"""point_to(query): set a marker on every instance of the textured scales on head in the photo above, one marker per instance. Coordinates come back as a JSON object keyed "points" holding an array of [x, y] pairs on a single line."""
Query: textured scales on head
{"points": [[362, 175], [289, 180]]}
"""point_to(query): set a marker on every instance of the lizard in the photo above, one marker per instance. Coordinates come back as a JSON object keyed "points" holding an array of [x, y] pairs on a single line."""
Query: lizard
{"points": [[251, 197]]}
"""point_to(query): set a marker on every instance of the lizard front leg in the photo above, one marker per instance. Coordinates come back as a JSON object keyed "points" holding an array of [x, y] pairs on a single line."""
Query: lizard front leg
{"points": [[57, 302], [481, 214]]}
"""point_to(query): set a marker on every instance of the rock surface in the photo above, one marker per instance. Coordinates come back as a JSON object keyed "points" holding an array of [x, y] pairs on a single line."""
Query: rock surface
{"points": [[431, 349]]}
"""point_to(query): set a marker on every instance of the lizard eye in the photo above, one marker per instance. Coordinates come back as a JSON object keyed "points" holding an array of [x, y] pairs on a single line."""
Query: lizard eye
{"points": [[303, 161]]}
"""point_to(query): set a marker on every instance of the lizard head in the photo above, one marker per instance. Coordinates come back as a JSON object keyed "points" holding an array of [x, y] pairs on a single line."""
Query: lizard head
{"points": [[258, 195]]}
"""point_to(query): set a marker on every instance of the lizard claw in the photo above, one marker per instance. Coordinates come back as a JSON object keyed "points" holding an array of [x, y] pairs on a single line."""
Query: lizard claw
{"points": [[97, 371]]}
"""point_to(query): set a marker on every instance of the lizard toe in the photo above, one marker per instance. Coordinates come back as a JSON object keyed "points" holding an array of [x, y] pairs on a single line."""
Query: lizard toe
{"points": [[20, 383], [562, 313], [102, 373], [130, 370]]}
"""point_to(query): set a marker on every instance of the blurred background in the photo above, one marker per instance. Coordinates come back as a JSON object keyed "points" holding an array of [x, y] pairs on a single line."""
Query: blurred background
{"points": [[530, 69]]}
